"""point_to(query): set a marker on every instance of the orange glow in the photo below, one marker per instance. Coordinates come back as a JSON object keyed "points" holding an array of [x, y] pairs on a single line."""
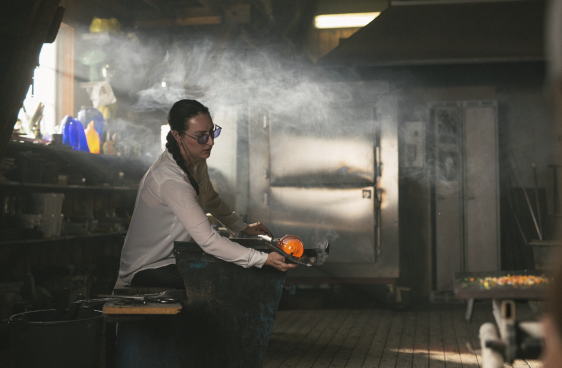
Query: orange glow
{"points": [[292, 245]]}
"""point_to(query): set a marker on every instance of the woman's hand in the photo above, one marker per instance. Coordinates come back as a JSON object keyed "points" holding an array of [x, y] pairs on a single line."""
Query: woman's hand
{"points": [[257, 229], [278, 261]]}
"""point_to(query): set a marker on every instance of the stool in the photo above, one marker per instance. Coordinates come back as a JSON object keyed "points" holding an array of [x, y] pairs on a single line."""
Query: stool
{"points": [[145, 330]]}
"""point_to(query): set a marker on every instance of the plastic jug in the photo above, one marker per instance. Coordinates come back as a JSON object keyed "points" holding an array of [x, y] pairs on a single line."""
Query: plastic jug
{"points": [[93, 138], [88, 114]]}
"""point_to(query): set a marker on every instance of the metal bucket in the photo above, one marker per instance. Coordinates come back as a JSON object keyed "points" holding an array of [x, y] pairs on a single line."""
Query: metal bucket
{"points": [[230, 309], [38, 341]]}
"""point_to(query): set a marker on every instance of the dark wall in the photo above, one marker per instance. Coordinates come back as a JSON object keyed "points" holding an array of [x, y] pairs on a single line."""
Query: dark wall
{"points": [[24, 27]]}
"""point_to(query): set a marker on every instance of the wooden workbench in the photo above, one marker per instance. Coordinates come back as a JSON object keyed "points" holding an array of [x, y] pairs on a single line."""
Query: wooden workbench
{"points": [[149, 308]]}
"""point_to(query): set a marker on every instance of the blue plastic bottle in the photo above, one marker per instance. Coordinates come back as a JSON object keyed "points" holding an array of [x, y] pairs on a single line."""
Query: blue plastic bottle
{"points": [[82, 138], [73, 134], [77, 136], [65, 129]]}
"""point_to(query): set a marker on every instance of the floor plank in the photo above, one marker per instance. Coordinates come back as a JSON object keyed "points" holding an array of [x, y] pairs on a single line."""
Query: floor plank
{"points": [[436, 351], [336, 342], [376, 348], [421, 341], [294, 337], [406, 352], [344, 353], [280, 318], [310, 339], [450, 343], [280, 336], [392, 344], [360, 351], [465, 333], [323, 341]]}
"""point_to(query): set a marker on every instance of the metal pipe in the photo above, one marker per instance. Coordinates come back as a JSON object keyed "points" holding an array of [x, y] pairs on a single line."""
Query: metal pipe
{"points": [[537, 197], [512, 208], [515, 168], [555, 186]]}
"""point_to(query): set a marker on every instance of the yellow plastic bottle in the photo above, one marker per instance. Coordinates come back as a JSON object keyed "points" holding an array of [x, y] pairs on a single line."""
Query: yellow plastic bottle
{"points": [[93, 138]]}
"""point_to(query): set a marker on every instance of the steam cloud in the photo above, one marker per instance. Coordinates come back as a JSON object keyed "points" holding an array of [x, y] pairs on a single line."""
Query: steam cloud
{"points": [[322, 241]]}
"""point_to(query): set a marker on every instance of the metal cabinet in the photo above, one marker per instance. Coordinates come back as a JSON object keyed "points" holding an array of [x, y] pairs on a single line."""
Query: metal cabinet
{"points": [[466, 206]]}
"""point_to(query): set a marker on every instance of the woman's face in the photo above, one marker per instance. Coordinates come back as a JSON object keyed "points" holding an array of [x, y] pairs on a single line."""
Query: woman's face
{"points": [[197, 126]]}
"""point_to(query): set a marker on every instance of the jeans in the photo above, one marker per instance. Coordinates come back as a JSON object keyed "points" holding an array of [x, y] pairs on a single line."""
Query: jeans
{"points": [[167, 276]]}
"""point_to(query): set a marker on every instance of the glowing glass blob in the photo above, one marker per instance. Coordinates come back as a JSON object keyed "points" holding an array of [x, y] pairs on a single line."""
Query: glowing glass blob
{"points": [[291, 245]]}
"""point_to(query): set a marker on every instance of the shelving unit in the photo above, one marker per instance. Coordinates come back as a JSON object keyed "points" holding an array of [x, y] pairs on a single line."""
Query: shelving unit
{"points": [[110, 183], [59, 188], [59, 239]]}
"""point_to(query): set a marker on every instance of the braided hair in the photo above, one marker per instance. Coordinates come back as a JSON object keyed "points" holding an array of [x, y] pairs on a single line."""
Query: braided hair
{"points": [[179, 114]]}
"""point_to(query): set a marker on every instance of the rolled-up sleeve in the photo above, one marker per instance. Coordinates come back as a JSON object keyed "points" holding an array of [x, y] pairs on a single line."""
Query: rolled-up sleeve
{"points": [[182, 200]]}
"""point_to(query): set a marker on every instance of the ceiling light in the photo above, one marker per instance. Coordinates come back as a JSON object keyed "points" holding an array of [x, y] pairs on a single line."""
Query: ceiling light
{"points": [[344, 20]]}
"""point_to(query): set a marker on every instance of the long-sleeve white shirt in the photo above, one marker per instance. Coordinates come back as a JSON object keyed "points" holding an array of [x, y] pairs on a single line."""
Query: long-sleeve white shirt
{"points": [[167, 209]]}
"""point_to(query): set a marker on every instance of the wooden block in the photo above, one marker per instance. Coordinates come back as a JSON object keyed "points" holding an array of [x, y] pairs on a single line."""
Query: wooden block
{"points": [[149, 308]]}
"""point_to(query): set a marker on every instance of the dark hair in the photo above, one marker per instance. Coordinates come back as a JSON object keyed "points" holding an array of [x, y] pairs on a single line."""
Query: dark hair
{"points": [[179, 114]]}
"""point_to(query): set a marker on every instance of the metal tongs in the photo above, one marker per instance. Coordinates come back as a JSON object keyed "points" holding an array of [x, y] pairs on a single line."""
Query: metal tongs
{"points": [[308, 258], [165, 297]]}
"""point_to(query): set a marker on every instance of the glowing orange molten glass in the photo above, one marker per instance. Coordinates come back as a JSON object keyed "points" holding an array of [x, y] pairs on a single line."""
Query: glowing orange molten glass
{"points": [[292, 245]]}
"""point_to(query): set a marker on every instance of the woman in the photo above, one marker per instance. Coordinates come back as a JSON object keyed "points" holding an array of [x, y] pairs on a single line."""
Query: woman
{"points": [[173, 198]]}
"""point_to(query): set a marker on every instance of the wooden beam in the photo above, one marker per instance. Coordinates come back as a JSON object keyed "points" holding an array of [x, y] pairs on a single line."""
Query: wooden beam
{"points": [[189, 21], [188, 12], [113, 6], [157, 4], [235, 14], [67, 69]]}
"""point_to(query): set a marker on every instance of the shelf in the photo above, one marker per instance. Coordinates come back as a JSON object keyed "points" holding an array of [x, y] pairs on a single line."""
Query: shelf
{"points": [[58, 239], [64, 188]]}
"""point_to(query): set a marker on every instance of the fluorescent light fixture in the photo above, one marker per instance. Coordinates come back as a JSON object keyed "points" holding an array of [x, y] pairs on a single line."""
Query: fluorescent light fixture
{"points": [[344, 20]]}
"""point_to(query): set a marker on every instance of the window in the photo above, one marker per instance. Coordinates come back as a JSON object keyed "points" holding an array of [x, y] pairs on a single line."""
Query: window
{"points": [[52, 85]]}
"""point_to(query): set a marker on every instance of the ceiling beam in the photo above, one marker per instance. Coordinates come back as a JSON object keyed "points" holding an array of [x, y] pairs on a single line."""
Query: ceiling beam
{"points": [[175, 22], [115, 7], [159, 5], [234, 14]]}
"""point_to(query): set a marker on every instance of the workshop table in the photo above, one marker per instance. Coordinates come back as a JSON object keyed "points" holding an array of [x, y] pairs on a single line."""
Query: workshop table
{"points": [[517, 340]]}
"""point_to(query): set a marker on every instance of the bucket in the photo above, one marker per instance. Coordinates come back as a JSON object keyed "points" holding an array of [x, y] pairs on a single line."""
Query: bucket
{"points": [[38, 341], [231, 309]]}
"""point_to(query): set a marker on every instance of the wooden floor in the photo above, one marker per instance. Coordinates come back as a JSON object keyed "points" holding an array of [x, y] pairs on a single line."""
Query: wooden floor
{"points": [[433, 336]]}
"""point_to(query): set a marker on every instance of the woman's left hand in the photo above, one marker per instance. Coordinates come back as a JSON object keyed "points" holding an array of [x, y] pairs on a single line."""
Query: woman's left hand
{"points": [[257, 229]]}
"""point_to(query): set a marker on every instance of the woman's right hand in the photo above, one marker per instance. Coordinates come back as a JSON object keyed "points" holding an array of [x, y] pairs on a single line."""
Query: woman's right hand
{"points": [[276, 260]]}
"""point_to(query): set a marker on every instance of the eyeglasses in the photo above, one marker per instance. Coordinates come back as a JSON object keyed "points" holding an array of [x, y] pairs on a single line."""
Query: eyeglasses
{"points": [[205, 137]]}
